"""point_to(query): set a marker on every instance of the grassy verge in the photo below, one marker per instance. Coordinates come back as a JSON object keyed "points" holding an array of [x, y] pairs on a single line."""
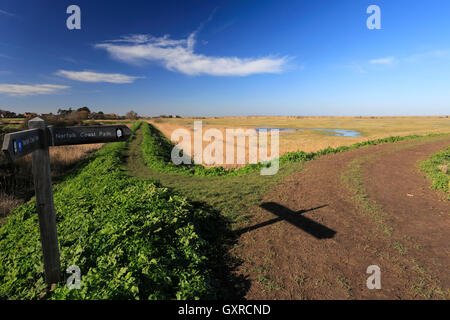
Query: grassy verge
{"points": [[437, 168], [131, 238]]}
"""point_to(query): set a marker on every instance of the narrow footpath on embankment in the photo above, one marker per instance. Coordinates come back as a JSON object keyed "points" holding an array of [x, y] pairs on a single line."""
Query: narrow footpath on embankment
{"points": [[313, 233]]}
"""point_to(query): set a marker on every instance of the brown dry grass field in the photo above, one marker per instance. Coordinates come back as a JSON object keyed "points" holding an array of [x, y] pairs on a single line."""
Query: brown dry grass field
{"points": [[308, 140], [16, 181]]}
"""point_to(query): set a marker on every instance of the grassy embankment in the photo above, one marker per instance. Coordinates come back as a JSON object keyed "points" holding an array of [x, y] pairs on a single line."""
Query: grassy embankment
{"points": [[131, 238]]}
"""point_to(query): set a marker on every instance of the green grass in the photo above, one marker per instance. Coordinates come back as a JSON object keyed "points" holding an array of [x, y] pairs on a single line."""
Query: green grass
{"points": [[132, 239], [440, 179], [11, 119]]}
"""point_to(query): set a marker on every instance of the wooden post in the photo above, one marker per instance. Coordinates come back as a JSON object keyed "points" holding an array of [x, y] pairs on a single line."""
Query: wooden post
{"points": [[44, 204]]}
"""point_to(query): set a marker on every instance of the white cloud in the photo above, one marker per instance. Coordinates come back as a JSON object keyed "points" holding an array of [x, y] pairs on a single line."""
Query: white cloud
{"points": [[88, 76], [179, 56], [387, 60], [28, 90]]}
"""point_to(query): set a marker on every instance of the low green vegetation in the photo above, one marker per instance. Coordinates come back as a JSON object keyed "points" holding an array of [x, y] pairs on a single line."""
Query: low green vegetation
{"points": [[437, 168], [131, 238]]}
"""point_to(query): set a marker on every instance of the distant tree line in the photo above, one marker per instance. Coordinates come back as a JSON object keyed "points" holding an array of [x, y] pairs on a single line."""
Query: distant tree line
{"points": [[79, 114], [10, 114], [168, 116]]}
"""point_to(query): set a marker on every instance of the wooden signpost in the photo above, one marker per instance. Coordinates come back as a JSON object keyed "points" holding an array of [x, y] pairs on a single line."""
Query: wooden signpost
{"points": [[37, 141]]}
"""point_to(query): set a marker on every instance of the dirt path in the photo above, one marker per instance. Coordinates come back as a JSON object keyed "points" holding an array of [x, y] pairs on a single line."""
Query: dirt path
{"points": [[416, 210], [317, 232]]}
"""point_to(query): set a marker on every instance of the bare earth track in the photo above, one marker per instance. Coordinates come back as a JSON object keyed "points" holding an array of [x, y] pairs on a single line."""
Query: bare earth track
{"points": [[315, 234]]}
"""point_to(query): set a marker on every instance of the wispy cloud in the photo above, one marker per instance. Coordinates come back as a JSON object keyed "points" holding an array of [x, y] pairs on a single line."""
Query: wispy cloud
{"points": [[6, 13], [69, 59], [179, 56], [29, 90], [429, 55], [418, 57], [224, 26], [355, 67], [89, 76], [386, 61]]}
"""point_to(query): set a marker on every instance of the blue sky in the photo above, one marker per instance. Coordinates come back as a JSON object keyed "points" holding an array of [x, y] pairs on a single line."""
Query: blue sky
{"points": [[226, 57]]}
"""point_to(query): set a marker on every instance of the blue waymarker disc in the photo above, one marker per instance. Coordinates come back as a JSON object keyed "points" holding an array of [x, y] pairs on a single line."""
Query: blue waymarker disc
{"points": [[19, 145]]}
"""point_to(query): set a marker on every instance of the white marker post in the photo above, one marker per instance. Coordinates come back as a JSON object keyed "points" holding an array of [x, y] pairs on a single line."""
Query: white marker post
{"points": [[37, 141]]}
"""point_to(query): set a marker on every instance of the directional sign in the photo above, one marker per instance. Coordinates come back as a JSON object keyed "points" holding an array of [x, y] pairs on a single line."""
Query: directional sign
{"points": [[59, 136], [19, 144]]}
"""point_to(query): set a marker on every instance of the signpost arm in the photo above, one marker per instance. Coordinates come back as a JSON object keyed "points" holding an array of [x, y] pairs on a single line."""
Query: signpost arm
{"points": [[45, 206]]}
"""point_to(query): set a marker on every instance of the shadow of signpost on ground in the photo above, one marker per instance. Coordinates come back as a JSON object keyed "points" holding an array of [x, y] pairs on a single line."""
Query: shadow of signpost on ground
{"points": [[315, 229]]}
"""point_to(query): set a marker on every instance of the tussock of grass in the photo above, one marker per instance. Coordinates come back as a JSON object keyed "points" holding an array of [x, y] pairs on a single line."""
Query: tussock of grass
{"points": [[440, 179]]}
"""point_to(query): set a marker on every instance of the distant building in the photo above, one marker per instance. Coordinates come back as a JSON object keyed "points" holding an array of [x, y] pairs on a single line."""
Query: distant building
{"points": [[30, 114]]}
